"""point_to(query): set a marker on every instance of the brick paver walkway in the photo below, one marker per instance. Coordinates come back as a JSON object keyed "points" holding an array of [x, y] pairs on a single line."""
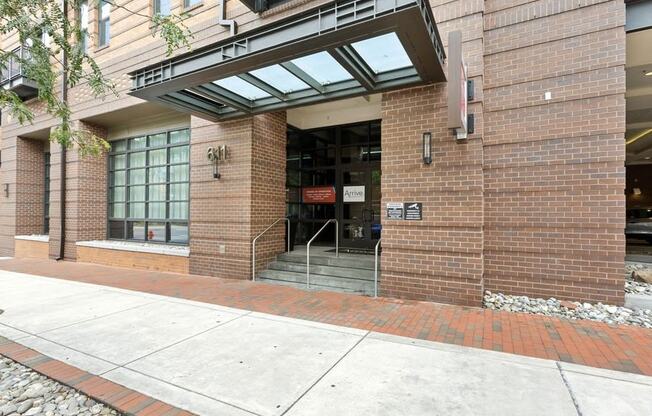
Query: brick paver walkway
{"points": [[127, 401], [624, 348]]}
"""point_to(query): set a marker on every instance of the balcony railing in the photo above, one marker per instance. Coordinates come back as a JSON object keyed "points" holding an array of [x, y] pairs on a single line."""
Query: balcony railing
{"points": [[12, 76]]}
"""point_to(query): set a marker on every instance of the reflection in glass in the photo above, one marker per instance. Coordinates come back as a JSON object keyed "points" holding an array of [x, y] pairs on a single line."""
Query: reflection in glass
{"points": [[279, 78], [241, 87], [323, 68], [156, 231], [383, 53]]}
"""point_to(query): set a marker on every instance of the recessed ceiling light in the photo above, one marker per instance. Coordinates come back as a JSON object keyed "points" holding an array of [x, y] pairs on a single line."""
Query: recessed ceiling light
{"points": [[648, 73]]}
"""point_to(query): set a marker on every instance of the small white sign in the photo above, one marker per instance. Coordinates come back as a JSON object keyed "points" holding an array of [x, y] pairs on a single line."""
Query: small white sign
{"points": [[354, 193]]}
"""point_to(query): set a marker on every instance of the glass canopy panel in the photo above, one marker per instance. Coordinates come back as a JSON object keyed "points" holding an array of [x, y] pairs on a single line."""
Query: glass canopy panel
{"points": [[323, 68], [383, 53], [242, 88], [279, 78]]}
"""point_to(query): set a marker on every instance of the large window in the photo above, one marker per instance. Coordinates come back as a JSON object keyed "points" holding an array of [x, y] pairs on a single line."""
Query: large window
{"points": [[104, 23], [149, 188]]}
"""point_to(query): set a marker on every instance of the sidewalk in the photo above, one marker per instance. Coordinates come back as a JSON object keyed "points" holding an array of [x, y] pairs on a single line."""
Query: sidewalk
{"points": [[215, 360], [624, 348]]}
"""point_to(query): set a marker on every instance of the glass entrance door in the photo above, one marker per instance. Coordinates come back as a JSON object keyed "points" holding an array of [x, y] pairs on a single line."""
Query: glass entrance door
{"points": [[335, 172]]}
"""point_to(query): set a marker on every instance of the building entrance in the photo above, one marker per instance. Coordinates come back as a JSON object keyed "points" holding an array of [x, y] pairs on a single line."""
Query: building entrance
{"points": [[334, 172]]}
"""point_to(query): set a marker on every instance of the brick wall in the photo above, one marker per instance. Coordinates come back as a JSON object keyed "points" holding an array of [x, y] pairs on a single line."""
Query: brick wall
{"points": [[225, 214], [553, 170], [30, 186], [439, 258], [86, 195]]}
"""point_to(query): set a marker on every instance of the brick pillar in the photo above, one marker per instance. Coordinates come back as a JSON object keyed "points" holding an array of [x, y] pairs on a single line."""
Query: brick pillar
{"points": [[86, 195], [30, 186], [438, 258], [225, 214], [554, 168]]}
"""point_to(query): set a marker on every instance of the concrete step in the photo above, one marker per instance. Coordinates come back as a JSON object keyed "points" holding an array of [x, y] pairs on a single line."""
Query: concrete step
{"points": [[317, 281], [343, 261], [317, 269]]}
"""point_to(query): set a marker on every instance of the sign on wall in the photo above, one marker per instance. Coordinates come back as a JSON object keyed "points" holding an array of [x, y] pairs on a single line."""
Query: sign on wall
{"points": [[353, 193], [457, 87], [413, 211], [395, 210], [319, 195]]}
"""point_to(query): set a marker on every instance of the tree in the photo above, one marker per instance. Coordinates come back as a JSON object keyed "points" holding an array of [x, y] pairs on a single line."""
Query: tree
{"points": [[54, 41]]}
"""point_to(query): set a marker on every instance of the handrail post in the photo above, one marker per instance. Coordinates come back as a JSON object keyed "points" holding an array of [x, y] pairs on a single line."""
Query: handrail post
{"points": [[253, 244], [337, 246], [376, 268]]}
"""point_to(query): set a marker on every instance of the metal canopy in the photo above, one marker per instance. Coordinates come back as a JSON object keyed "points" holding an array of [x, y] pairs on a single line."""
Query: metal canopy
{"points": [[342, 49]]}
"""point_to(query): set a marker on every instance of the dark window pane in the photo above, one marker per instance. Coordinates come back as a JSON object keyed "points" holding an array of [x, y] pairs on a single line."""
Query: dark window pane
{"points": [[358, 134], [116, 229]]}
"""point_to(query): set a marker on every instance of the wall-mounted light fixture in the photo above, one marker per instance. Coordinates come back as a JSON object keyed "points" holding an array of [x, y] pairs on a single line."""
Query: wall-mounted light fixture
{"points": [[6, 190], [427, 148], [215, 155]]}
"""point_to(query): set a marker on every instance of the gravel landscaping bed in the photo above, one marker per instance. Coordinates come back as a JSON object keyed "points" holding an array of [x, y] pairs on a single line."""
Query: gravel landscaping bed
{"points": [[609, 314], [635, 286], [24, 392]]}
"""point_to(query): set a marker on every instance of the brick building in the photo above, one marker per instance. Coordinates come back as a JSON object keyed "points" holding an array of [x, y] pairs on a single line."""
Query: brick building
{"points": [[531, 202]]}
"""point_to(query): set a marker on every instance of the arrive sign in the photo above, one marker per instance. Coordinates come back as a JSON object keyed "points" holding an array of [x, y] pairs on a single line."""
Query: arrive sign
{"points": [[319, 195]]}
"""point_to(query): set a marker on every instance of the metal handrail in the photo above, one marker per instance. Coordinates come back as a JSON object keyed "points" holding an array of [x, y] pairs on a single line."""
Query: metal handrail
{"points": [[337, 247], [253, 244], [376, 268]]}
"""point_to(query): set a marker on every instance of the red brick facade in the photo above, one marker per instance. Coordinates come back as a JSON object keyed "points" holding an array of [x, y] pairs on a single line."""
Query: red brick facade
{"points": [[531, 203], [226, 214]]}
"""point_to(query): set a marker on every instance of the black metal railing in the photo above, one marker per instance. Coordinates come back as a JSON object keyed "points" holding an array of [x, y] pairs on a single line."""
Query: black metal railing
{"points": [[13, 68]]}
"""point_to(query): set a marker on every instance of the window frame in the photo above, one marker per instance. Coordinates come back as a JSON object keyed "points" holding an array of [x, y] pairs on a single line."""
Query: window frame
{"points": [[84, 15], [101, 19], [128, 219], [156, 6], [187, 4]]}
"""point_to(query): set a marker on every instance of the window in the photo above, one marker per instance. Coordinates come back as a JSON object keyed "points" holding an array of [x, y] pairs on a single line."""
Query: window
{"points": [[82, 18], [149, 188], [104, 23], [190, 3], [162, 7], [46, 196]]}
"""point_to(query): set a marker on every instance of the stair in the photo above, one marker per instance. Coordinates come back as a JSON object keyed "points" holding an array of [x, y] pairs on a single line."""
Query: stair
{"points": [[350, 274]]}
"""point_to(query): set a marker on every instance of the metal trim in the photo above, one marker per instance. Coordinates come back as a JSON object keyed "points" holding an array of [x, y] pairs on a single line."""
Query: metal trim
{"points": [[331, 28]]}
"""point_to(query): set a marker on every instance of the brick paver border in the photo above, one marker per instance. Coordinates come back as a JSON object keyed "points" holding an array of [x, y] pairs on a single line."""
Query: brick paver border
{"points": [[623, 348], [126, 401]]}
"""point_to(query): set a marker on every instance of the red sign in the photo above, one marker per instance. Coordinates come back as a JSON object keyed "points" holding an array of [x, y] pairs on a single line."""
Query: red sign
{"points": [[319, 195]]}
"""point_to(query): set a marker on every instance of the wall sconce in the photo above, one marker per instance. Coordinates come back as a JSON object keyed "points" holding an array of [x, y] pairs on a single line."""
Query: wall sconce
{"points": [[215, 155], [6, 190], [427, 148]]}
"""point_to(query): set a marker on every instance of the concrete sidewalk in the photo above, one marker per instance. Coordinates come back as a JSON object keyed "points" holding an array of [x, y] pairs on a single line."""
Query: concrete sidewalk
{"points": [[213, 360]]}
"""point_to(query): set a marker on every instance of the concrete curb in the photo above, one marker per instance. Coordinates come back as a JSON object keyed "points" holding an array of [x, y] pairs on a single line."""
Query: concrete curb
{"points": [[116, 396]]}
